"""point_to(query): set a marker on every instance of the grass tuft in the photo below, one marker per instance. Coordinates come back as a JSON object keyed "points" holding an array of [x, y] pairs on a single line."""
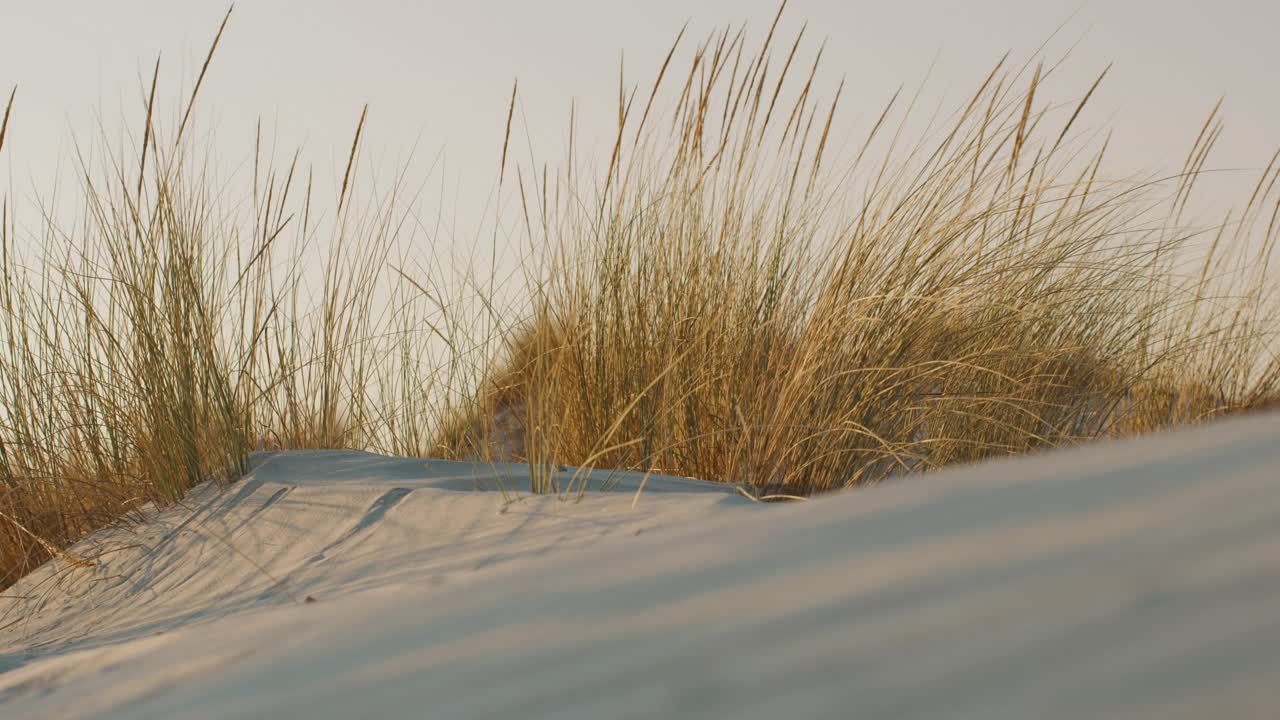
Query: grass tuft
{"points": [[738, 294]]}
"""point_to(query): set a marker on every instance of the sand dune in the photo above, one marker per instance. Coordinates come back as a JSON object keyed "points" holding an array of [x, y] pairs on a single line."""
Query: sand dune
{"points": [[1134, 579]]}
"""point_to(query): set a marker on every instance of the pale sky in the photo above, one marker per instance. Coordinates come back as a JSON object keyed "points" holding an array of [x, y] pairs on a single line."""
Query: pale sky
{"points": [[439, 73]]}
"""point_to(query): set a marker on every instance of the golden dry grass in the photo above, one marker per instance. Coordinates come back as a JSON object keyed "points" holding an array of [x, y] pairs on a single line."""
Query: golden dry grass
{"points": [[722, 309], [727, 298]]}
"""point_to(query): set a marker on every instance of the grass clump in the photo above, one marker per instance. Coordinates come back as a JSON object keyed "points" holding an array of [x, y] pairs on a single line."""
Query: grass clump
{"points": [[728, 301], [734, 293], [161, 338]]}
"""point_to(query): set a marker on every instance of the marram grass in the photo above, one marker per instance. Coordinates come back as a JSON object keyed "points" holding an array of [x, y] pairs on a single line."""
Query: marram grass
{"points": [[727, 297]]}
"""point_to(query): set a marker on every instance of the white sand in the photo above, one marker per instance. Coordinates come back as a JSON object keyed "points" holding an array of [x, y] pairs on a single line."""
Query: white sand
{"points": [[1136, 579]]}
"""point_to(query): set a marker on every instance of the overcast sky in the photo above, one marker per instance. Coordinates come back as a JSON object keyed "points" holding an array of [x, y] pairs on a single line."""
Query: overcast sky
{"points": [[439, 73]]}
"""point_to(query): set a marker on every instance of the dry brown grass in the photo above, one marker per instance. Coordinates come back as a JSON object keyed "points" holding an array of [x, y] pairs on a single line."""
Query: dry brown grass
{"points": [[722, 309], [159, 339], [727, 298]]}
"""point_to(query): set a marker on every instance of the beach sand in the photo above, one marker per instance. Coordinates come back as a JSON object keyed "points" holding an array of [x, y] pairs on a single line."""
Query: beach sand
{"points": [[1123, 579]]}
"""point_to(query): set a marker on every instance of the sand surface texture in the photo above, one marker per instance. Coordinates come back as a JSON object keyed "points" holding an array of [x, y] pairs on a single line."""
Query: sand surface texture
{"points": [[1129, 579]]}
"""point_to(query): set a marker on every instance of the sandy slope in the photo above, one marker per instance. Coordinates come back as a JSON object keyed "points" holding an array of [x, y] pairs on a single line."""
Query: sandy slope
{"points": [[1137, 579]]}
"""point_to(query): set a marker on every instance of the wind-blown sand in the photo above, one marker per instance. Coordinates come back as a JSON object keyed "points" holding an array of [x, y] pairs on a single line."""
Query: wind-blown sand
{"points": [[1131, 579]]}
